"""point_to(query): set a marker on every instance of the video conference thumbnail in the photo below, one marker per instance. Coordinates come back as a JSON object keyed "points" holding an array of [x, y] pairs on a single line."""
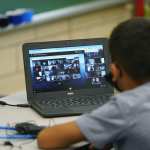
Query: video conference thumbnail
{"points": [[57, 69], [95, 66]]}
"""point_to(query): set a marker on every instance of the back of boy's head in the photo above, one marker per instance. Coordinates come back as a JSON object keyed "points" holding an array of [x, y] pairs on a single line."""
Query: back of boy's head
{"points": [[129, 46]]}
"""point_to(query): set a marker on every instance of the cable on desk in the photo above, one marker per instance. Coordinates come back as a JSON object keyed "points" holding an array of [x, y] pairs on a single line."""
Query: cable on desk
{"points": [[27, 135], [18, 136], [7, 128], [17, 105]]}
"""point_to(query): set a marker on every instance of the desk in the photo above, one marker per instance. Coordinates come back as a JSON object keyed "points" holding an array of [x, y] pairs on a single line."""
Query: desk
{"points": [[11, 115]]}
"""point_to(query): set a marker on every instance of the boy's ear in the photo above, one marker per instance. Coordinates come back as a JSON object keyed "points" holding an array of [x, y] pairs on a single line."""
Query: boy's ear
{"points": [[115, 71]]}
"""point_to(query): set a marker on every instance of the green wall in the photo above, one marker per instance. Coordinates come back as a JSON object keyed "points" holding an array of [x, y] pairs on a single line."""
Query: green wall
{"points": [[38, 5]]}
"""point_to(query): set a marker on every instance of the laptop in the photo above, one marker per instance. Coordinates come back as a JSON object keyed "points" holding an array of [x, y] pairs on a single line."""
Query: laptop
{"points": [[65, 78]]}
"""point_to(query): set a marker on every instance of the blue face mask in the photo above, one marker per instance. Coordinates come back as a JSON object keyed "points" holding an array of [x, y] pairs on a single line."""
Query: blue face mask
{"points": [[108, 78]]}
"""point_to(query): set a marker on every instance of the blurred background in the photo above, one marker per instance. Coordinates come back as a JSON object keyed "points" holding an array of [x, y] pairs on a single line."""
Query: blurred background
{"points": [[36, 20]]}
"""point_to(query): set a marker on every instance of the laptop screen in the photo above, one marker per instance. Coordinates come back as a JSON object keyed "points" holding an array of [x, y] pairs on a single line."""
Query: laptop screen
{"points": [[67, 68]]}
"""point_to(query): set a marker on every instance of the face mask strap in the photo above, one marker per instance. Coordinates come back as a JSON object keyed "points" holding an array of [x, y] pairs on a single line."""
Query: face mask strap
{"points": [[108, 78]]}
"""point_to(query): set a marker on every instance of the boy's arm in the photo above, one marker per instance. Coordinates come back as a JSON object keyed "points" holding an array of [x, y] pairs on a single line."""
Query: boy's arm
{"points": [[60, 136]]}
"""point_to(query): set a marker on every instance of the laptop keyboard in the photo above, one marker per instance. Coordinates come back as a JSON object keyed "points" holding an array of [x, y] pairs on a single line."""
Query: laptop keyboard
{"points": [[71, 101]]}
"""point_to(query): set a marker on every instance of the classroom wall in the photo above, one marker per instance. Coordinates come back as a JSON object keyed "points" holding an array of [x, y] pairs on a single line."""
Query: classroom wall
{"points": [[94, 24]]}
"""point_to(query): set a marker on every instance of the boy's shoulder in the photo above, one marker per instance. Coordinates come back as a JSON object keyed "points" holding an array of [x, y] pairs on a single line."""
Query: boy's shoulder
{"points": [[131, 99], [141, 91]]}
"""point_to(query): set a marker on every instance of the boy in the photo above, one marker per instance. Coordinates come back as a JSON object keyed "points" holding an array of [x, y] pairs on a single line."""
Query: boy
{"points": [[124, 120]]}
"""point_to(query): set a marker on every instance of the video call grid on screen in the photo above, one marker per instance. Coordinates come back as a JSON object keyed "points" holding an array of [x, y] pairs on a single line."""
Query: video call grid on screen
{"points": [[61, 69]]}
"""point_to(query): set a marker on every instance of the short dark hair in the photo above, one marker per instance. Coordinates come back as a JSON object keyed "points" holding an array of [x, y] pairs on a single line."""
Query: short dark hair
{"points": [[129, 46]]}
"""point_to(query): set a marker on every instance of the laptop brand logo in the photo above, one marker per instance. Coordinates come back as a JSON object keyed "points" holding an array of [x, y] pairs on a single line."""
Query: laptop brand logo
{"points": [[70, 91]]}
